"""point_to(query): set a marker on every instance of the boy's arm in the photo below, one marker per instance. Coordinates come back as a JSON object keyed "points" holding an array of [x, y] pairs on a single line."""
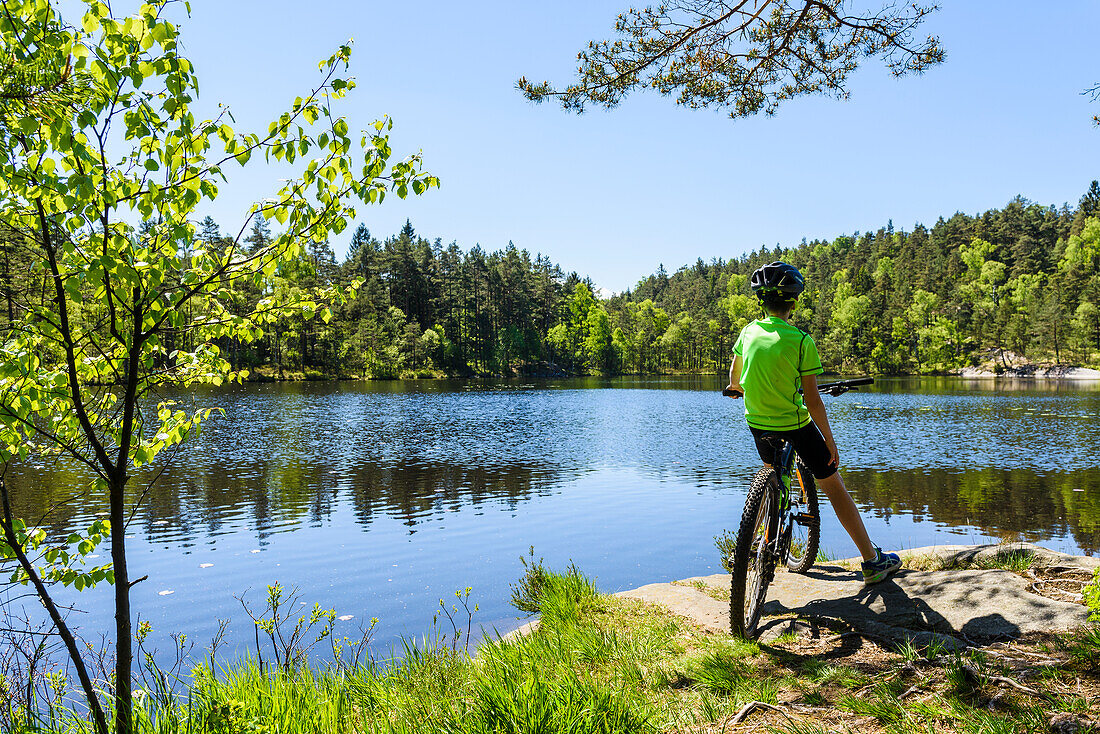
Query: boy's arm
{"points": [[735, 375], [816, 406]]}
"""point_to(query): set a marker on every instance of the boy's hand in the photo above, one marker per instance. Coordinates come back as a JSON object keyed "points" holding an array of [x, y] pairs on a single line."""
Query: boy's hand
{"points": [[733, 392], [834, 455]]}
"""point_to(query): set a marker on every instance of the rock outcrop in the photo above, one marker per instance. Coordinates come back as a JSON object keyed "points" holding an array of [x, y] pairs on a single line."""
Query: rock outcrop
{"points": [[954, 595]]}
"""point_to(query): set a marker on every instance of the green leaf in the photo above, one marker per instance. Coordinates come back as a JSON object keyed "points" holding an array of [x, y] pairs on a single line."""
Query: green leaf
{"points": [[161, 32]]}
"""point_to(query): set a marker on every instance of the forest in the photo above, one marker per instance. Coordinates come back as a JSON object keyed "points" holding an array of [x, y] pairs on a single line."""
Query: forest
{"points": [[1012, 285]]}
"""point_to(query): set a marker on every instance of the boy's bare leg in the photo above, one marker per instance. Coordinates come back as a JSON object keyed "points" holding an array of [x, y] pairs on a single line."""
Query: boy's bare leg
{"points": [[847, 513]]}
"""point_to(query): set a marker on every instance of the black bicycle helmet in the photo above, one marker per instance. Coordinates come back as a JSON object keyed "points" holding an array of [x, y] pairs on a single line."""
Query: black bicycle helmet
{"points": [[778, 281]]}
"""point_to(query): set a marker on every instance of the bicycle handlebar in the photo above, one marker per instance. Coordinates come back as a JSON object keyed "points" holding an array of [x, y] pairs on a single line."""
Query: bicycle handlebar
{"points": [[845, 385], [832, 388]]}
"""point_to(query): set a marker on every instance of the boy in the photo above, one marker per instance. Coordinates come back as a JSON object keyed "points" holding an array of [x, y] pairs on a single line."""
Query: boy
{"points": [[772, 360]]}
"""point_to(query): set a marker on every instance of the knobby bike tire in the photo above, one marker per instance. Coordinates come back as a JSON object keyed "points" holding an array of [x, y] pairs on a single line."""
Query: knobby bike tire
{"points": [[749, 580], [804, 502]]}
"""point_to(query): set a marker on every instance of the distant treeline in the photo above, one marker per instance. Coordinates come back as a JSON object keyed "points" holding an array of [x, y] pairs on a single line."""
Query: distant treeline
{"points": [[1022, 282], [1012, 283]]}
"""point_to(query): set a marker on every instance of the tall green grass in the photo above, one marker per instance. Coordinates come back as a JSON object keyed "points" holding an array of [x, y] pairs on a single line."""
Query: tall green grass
{"points": [[568, 677], [594, 664]]}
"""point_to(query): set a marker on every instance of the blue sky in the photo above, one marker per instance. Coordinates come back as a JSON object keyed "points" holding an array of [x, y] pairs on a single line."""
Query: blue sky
{"points": [[614, 194]]}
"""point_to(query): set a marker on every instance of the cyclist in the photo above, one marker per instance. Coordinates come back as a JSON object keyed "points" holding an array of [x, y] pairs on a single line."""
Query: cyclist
{"points": [[772, 360]]}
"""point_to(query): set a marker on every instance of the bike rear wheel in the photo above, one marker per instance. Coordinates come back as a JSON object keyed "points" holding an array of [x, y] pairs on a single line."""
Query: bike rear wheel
{"points": [[754, 554], [805, 520]]}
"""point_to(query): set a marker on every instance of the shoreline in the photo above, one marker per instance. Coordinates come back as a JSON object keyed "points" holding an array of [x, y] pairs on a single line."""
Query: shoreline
{"points": [[623, 663], [1032, 372], [1056, 373]]}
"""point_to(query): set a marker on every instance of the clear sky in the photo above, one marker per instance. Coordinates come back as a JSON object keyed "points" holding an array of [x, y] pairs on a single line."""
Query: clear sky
{"points": [[614, 194]]}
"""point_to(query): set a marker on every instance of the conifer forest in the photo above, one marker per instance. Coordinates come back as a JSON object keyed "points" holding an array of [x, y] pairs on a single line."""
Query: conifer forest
{"points": [[1019, 284]]}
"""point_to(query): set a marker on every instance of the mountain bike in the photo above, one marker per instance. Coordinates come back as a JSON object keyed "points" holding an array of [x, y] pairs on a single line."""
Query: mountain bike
{"points": [[780, 524]]}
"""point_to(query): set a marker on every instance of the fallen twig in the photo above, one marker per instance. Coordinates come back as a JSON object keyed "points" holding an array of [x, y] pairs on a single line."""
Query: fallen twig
{"points": [[1069, 569], [749, 707], [909, 691], [1018, 686], [1049, 593], [1017, 650], [878, 681], [1032, 660]]}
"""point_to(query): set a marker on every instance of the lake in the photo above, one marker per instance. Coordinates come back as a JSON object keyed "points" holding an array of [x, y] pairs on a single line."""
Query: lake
{"points": [[379, 499]]}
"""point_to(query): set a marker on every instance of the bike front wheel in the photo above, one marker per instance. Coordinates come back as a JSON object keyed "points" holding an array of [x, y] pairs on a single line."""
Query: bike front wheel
{"points": [[754, 554], [805, 520]]}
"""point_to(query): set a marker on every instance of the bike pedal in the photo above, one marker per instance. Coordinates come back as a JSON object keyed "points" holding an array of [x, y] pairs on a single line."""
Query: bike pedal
{"points": [[803, 518]]}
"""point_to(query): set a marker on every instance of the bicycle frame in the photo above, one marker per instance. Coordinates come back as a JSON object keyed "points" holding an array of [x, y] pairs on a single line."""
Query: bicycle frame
{"points": [[783, 465]]}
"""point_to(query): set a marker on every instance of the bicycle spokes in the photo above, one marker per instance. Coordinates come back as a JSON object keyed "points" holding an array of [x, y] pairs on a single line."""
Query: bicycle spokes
{"points": [[764, 555]]}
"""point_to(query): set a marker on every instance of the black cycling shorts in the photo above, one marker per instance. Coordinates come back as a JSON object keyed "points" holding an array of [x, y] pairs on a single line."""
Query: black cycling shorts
{"points": [[808, 444]]}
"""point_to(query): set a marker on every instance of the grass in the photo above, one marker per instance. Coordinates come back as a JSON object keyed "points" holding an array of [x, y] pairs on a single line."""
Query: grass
{"points": [[911, 652], [1013, 560], [1009, 559], [607, 665], [1083, 648], [722, 594], [824, 555]]}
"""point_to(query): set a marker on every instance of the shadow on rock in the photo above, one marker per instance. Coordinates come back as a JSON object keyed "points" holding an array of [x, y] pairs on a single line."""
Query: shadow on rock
{"points": [[951, 608]]}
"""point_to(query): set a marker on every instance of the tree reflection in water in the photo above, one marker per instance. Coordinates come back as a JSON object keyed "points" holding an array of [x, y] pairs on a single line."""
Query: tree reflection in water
{"points": [[269, 497], [1003, 502]]}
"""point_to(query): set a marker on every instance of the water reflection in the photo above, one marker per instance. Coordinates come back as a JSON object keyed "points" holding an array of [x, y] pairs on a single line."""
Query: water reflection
{"points": [[267, 497], [381, 498], [1002, 502], [1007, 456]]}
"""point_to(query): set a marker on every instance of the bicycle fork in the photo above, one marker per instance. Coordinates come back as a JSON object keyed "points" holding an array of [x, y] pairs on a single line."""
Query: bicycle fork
{"points": [[777, 538], [784, 469]]}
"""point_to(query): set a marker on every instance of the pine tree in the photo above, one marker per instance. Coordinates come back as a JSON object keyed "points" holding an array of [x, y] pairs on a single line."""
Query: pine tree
{"points": [[1090, 202], [209, 233], [360, 238], [260, 235]]}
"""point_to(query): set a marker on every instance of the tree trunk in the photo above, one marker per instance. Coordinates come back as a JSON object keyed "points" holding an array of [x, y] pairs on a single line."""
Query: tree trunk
{"points": [[124, 637], [99, 720]]}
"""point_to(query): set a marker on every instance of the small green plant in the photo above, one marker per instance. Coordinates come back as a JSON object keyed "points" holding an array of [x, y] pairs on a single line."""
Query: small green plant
{"points": [[230, 717], [290, 645], [725, 543], [882, 704], [541, 591], [350, 654], [963, 677], [526, 592], [1083, 646], [911, 651], [1009, 560], [824, 555], [454, 617], [1091, 593], [814, 698], [721, 671], [711, 707], [822, 673], [908, 650]]}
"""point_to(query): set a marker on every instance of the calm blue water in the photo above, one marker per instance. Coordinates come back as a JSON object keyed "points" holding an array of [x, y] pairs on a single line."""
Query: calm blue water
{"points": [[379, 499]]}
